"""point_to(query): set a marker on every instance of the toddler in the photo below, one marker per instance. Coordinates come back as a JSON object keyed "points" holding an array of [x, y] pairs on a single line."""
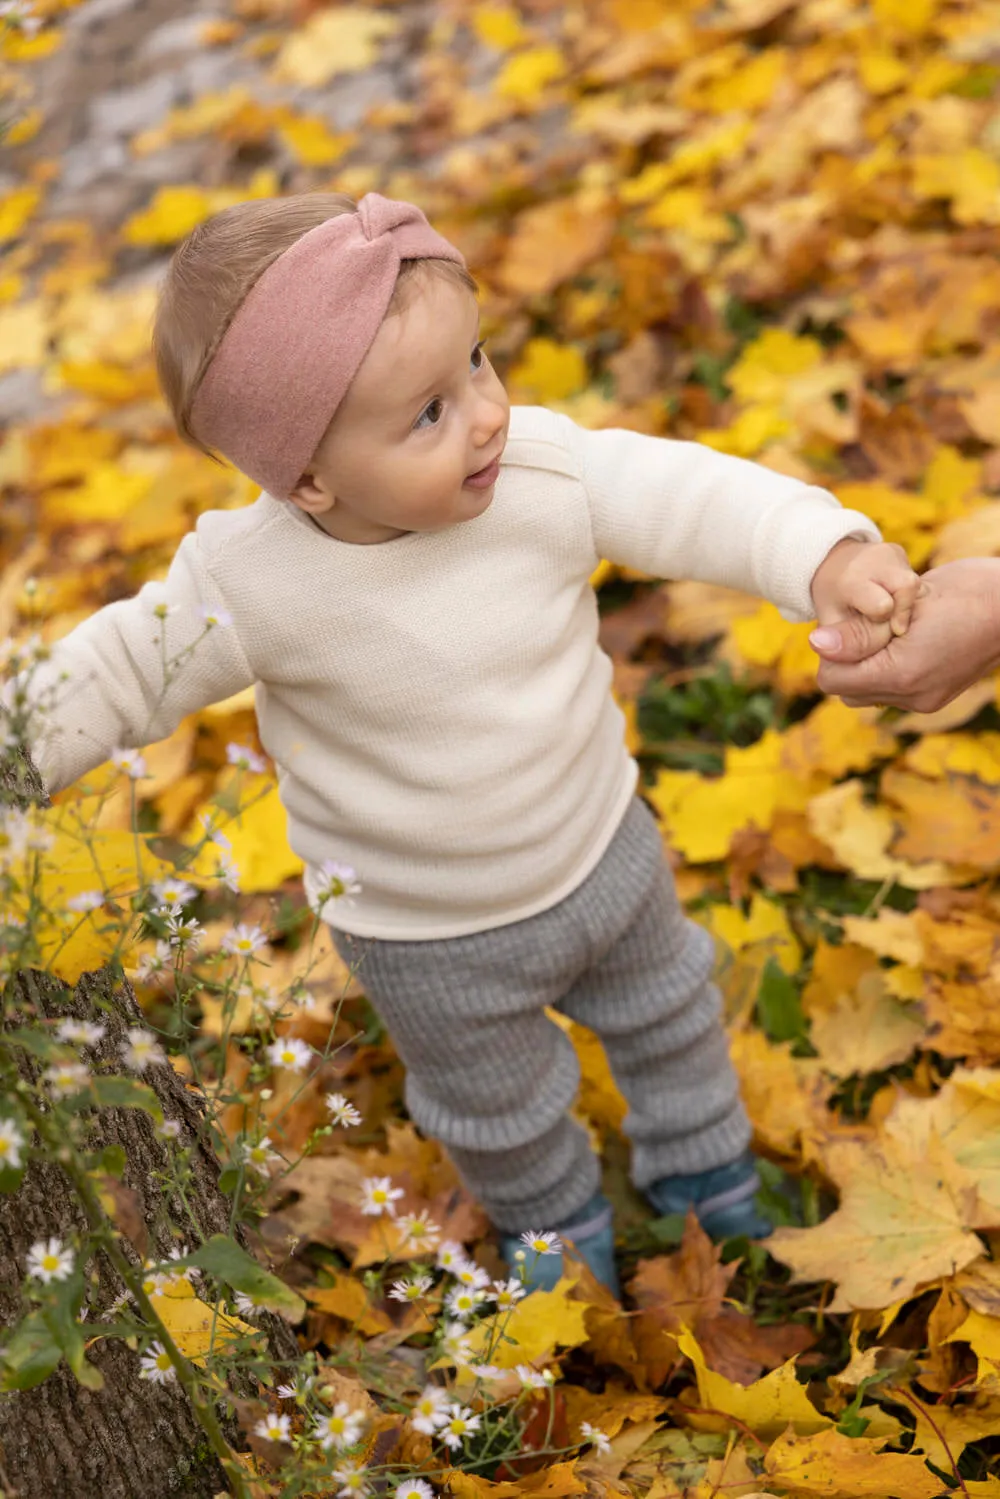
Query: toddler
{"points": [[410, 597]]}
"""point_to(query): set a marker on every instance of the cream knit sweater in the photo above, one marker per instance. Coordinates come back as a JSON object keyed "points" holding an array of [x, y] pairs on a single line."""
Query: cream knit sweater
{"points": [[437, 706]]}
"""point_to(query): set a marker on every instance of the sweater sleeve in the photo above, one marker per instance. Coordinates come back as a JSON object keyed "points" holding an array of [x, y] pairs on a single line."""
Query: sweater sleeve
{"points": [[115, 681], [678, 510]]}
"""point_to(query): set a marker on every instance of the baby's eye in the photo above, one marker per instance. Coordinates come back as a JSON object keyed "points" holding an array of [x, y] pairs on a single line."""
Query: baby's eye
{"points": [[431, 414], [478, 358]]}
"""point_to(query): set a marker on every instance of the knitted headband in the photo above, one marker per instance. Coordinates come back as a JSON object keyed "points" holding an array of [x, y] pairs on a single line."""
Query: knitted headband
{"points": [[299, 336]]}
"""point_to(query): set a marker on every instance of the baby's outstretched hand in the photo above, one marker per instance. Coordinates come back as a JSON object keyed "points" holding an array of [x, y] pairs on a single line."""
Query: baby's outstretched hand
{"points": [[870, 578]]}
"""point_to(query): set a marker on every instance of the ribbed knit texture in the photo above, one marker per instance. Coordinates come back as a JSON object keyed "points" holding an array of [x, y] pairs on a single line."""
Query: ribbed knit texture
{"points": [[438, 706], [492, 1077]]}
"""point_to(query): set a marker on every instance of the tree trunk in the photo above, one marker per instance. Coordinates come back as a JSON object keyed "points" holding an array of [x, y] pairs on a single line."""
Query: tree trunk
{"points": [[133, 1439]]}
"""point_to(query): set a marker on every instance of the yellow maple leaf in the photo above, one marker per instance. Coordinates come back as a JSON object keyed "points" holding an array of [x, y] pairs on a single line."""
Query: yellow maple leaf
{"points": [[310, 139], [24, 331], [866, 1031], [259, 839], [784, 1095], [904, 1219], [768, 363], [345, 40], [969, 178], [701, 814], [195, 1326], [16, 208], [859, 832], [965, 1117], [498, 26], [524, 77], [890, 934], [830, 1465], [768, 1406], [965, 754], [539, 1324], [765, 929], [548, 371]]}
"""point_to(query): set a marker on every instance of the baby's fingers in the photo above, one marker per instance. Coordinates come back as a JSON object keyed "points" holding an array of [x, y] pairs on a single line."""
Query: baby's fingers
{"points": [[868, 597], [903, 602]]}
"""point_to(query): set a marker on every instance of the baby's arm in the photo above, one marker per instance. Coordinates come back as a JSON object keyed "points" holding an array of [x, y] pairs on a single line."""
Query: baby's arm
{"points": [[128, 675], [874, 580]]}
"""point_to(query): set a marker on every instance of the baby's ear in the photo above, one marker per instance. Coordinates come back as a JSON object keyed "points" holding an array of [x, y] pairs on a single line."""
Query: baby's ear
{"points": [[310, 496]]}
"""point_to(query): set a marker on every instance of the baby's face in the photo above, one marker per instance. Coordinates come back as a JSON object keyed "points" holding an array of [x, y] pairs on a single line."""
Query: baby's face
{"points": [[415, 446]]}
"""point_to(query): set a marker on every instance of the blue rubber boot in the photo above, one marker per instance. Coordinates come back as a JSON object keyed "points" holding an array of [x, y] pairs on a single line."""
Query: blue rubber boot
{"points": [[723, 1199], [591, 1233]]}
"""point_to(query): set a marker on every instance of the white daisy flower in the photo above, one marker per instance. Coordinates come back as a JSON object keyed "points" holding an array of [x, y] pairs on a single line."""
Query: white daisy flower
{"points": [[419, 1231], [38, 838], [455, 1343], [595, 1437], [289, 1052], [243, 941], [378, 1196], [66, 1078], [152, 964], [170, 1129], [342, 1111], [300, 1390], [411, 1290], [413, 1488], [337, 882], [471, 1275], [12, 1142], [353, 1479], [245, 758], [226, 871], [430, 1411], [173, 892], [532, 1379], [246, 1306], [274, 1428], [259, 1154], [130, 761], [189, 1273], [547, 1243], [460, 1424], [463, 1302], [155, 1365], [215, 618], [164, 610], [185, 935], [506, 1293], [451, 1256], [80, 1032], [87, 900], [48, 1260], [141, 1050], [342, 1428], [487, 1371]]}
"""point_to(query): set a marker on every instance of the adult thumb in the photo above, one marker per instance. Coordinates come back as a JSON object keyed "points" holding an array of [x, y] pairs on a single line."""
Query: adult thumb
{"points": [[850, 640]]}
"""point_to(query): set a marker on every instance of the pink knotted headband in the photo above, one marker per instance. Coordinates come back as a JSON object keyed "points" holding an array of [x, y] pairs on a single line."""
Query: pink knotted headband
{"points": [[299, 336]]}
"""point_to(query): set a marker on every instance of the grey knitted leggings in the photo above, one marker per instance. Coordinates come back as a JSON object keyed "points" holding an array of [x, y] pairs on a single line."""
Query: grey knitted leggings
{"points": [[491, 1077]]}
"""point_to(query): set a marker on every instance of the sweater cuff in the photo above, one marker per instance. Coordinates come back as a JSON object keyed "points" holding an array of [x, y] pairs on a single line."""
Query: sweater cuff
{"points": [[807, 536]]}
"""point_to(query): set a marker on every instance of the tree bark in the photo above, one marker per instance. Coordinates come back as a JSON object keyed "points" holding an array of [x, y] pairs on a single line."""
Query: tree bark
{"points": [[133, 1439]]}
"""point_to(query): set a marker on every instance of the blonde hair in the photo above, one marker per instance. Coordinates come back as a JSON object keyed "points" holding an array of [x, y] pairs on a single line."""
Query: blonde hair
{"points": [[214, 268]]}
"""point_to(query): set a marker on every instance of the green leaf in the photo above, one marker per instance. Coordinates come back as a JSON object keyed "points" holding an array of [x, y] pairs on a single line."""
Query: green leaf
{"points": [[61, 1312], [228, 1180], [223, 1258], [40, 1043], [11, 1177], [30, 1356], [111, 1161], [779, 1006], [120, 1093]]}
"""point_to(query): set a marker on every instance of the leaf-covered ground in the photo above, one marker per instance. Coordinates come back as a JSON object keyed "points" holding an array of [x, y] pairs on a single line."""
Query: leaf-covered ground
{"points": [[772, 228]]}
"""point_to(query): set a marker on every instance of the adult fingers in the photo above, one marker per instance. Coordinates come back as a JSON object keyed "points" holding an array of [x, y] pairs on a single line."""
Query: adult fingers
{"points": [[851, 640]]}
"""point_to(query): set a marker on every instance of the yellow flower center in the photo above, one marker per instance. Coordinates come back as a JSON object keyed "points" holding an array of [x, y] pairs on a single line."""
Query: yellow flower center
{"points": [[4, 1146], [163, 1360], [50, 1262]]}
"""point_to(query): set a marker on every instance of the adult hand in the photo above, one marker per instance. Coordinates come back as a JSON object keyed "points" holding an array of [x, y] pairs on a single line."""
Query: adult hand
{"points": [[953, 640]]}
